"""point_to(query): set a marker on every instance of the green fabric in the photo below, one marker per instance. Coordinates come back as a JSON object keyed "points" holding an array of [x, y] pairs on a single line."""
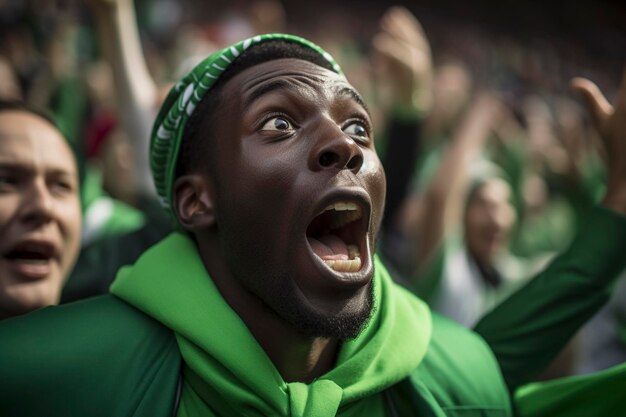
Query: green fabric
{"points": [[69, 105], [56, 362], [217, 377], [108, 217], [91, 187], [102, 357], [599, 394], [546, 232], [181, 101], [527, 330], [104, 216], [458, 377], [98, 358]]}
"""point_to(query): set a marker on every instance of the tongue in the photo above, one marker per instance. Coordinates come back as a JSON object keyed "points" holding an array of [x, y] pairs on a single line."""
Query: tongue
{"points": [[329, 247]]}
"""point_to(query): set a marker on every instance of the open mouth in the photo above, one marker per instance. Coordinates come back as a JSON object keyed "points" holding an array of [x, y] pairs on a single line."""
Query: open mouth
{"points": [[32, 258], [337, 236]]}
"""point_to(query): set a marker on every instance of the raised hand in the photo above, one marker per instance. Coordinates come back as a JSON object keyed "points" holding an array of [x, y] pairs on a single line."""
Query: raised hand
{"points": [[402, 61], [610, 122]]}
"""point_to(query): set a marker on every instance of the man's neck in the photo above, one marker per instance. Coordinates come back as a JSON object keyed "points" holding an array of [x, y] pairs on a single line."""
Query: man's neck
{"points": [[298, 358]]}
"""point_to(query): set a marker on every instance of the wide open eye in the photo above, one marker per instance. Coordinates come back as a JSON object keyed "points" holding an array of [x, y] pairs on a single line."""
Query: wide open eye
{"points": [[278, 123], [357, 129]]}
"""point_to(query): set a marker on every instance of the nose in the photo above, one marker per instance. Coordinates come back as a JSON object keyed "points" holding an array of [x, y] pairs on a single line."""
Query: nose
{"points": [[335, 150], [38, 204]]}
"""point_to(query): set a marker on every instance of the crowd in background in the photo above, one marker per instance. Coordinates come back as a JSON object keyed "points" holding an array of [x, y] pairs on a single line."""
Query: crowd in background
{"points": [[491, 159]]}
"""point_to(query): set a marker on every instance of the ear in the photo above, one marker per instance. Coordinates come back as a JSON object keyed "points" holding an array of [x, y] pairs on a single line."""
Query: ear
{"points": [[193, 202]]}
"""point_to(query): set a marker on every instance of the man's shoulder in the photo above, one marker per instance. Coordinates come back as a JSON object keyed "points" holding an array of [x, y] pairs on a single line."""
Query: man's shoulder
{"points": [[105, 318], [461, 372], [99, 352], [459, 346]]}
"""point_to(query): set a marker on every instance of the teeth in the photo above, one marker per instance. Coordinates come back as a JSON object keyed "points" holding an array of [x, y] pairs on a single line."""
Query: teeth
{"points": [[351, 213], [348, 265], [343, 206]]}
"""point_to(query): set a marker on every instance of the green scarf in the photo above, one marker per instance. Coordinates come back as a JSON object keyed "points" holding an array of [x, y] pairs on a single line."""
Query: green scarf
{"points": [[226, 371]]}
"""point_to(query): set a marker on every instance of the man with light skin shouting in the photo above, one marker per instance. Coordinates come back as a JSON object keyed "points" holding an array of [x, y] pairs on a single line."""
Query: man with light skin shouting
{"points": [[270, 300], [40, 215]]}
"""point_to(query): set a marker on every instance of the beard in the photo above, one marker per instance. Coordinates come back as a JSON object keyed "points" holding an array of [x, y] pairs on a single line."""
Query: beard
{"points": [[272, 282], [310, 322], [287, 303]]}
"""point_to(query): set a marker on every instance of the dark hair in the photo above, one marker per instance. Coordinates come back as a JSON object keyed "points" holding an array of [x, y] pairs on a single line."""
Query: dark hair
{"points": [[195, 147], [19, 105]]}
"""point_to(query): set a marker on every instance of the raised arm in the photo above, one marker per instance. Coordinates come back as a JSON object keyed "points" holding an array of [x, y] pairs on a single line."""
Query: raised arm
{"points": [[136, 91], [610, 122], [527, 330], [441, 204], [402, 65]]}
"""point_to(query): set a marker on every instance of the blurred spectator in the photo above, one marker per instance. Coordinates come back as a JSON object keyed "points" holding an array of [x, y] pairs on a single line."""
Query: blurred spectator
{"points": [[39, 210]]}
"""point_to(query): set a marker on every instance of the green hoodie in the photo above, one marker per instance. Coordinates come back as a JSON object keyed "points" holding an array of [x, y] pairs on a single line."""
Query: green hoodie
{"points": [[387, 351], [217, 374], [105, 357]]}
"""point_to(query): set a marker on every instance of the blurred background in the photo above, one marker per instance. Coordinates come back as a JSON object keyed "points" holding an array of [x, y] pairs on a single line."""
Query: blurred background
{"points": [[491, 159], [518, 45]]}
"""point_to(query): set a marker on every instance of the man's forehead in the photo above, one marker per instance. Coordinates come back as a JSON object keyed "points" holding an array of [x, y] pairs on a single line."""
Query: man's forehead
{"points": [[28, 140], [289, 74], [19, 123], [291, 69]]}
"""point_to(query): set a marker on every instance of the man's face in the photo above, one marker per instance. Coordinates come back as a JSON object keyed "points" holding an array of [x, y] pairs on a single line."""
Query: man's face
{"points": [[299, 194], [489, 218], [39, 213]]}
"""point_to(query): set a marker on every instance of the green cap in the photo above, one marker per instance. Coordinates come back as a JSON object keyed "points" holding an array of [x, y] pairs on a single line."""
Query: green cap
{"points": [[167, 132]]}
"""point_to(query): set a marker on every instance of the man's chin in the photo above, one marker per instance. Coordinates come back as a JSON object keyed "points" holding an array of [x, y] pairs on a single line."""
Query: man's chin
{"points": [[342, 326]]}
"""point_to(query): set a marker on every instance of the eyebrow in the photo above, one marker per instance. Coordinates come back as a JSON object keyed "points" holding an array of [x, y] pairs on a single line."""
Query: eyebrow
{"points": [[7, 164], [352, 93], [267, 88], [282, 84], [21, 168]]}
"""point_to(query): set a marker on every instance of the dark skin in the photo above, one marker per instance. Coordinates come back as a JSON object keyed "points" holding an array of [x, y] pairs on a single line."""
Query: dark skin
{"points": [[292, 139]]}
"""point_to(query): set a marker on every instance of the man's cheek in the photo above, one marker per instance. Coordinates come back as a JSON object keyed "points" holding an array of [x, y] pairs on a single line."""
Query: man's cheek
{"points": [[371, 166]]}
